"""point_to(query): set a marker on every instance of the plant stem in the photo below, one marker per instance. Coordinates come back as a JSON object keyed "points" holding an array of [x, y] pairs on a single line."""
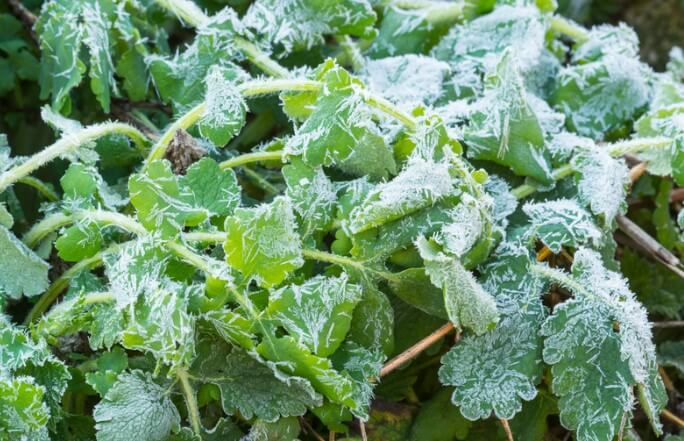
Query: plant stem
{"points": [[42, 188], [260, 59], [247, 158], [352, 51], [186, 10], [59, 285], [525, 190], [190, 401], [201, 236], [323, 256], [159, 149], [416, 349], [66, 144], [637, 145], [569, 28], [388, 108], [56, 221], [561, 278]]}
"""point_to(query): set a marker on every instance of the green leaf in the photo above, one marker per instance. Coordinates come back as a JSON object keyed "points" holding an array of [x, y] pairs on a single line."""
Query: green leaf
{"points": [[285, 429], [601, 183], [293, 25], [295, 359], [467, 303], [23, 272], [24, 415], [420, 185], [504, 127], [156, 196], [312, 194], [372, 325], [531, 423], [206, 187], [251, 388], [135, 408], [109, 366], [414, 287], [318, 313], [339, 122], [438, 420], [262, 242], [96, 39], [79, 241], [561, 223], [671, 354], [604, 40], [405, 31], [79, 180], [496, 371], [600, 346], [225, 109], [601, 97], [161, 325]]}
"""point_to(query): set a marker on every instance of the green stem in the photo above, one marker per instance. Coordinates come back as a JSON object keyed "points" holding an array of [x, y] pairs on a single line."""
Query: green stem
{"points": [[637, 145], [525, 190], [335, 259], [571, 29], [42, 188], [559, 277], [248, 158], [186, 11], [352, 51], [388, 108], [66, 144], [260, 59], [184, 122], [214, 238], [56, 221], [190, 400], [59, 285]]}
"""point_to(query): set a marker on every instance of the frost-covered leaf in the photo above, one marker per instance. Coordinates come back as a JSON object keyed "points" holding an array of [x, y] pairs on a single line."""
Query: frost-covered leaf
{"points": [[263, 243], [340, 121], [109, 366], [467, 303], [101, 66], [22, 272], [136, 408], [601, 182], [363, 366], [418, 186], [504, 127], [136, 268], [465, 229], [79, 241], [312, 194], [293, 25], [295, 359], [285, 429], [317, 313], [372, 325], [161, 325], [24, 415], [496, 371], [601, 97], [407, 80], [156, 196], [561, 223], [474, 48], [251, 388], [606, 39], [206, 187], [232, 327], [225, 109], [600, 347]]}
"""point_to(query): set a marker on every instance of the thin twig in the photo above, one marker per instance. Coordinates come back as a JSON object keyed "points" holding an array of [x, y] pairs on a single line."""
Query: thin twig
{"points": [[310, 430], [27, 18], [506, 428], [677, 195], [362, 426], [636, 171], [650, 245], [672, 418], [543, 254], [416, 349], [667, 381], [331, 436], [668, 324]]}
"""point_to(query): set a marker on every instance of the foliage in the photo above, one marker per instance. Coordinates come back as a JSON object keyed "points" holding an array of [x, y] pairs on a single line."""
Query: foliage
{"points": [[230, 248]]}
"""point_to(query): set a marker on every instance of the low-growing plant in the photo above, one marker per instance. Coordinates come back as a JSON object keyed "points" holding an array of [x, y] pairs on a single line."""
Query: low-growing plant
{"points": [[418, 168]]}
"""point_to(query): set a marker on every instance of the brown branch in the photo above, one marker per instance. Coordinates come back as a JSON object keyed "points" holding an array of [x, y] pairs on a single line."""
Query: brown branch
{"points": [[672, 418], [668, 324], [27, 18], [507, 428], [416, 349], [310, 430], [677, 195], [650, 245], [636, 171]]}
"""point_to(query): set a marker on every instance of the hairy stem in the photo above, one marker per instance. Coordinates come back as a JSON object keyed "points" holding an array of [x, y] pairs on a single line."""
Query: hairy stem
{"points": [[190, 401], [637, 145], [352, 52], [66, 144], [40, 186], [569, 28], [525, 190], [186, 10], [159, 149], [248, 158], [559, 277], [56, 221], [335, 259]]}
